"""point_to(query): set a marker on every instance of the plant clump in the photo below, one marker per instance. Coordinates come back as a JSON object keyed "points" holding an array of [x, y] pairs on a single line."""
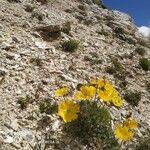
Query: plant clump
{"points": [[47, 107], [24, 101], [133, 98], [145, 64], [70, 46], [141, 51], [93, 124], [66, 27]]}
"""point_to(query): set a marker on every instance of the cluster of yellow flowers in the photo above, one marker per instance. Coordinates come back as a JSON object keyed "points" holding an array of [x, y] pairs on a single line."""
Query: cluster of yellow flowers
{"points": [[105, 91], [124, 131], [68, 109]]}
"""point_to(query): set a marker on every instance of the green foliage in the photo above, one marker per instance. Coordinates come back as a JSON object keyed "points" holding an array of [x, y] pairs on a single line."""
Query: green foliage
{"points": [[47, 107], [93, 124], [24, 101], [117, 65], [141, 51], [67, 27], [133, 98], [29, 8], [110, 70], [70, 46], [145, 64]]}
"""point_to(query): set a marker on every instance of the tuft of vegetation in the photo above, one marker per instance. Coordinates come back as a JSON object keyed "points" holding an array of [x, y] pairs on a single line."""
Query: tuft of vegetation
{"points": [[93, 125], [47, 107], [70, 46], [110, 70], [145, 64], [67, 27], [24, 101], [133, 98], [117, 65], [29, 8], [119, 30], [141, 51]]}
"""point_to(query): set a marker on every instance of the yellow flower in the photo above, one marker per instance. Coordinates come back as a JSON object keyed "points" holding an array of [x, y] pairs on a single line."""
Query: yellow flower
{"points": [[85, 93], [123, 133], [68, 110], [130, 123], [62, 91], [98, 83], [105, 93], [117, 101]]}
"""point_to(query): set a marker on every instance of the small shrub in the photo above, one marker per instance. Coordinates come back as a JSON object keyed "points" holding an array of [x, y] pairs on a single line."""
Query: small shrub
{"points": [[110, 70], [29, 8], [118, 66], [133, 98], [145, 64], [141, 51], [67, 27], [123, 84], [24, 101], [92, 125], [70, 46], [47, 107]]}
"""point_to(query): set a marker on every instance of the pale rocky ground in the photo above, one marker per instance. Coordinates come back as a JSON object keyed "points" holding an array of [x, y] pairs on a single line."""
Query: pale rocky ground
{"points": [[19, 42]]}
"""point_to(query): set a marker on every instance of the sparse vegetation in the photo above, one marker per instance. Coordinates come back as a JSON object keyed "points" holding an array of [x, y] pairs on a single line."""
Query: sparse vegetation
{"points": [[141, 51], [29, 8], [93, 125], [24, 101], [117, 65], [133, 98], [47, 107], [145, 64], [67, 27], [70, 46]]}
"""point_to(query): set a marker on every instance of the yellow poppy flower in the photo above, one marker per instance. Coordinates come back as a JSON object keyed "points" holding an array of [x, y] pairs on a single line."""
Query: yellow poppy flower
{"points": [[68, 110], [98, 83], [105, 93], [123, 133], [85, 93], [130, 123], [117, 101], [62, 91]]}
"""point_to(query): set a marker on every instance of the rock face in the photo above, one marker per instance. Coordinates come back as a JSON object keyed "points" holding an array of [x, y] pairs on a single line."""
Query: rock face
{"points": [[33, 64]]}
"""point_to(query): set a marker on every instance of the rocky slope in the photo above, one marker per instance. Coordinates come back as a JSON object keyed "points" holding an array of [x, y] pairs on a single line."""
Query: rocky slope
{"points": [[33, 63]]}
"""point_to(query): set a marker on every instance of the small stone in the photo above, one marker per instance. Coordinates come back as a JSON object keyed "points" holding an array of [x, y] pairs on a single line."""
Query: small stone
{"points": [[9, 139], [14, 125]]}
